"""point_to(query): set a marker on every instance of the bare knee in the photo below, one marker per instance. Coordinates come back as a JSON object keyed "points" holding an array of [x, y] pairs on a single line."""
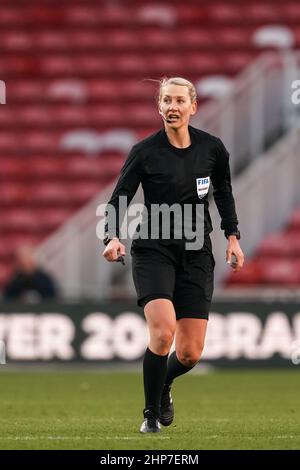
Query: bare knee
{"points": [[161, 341], [161, 319], [188, 357]]}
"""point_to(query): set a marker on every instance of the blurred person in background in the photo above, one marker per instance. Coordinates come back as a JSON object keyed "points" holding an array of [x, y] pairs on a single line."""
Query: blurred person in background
{"points": [[29, 282], [174, 284]]}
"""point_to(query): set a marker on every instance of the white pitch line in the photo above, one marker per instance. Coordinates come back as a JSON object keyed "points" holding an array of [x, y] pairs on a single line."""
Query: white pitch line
{"points": [[127, 438], [73, 438]]}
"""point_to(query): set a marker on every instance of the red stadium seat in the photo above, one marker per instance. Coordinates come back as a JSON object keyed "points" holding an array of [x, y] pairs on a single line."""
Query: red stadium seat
{"points": [[95, 15], [121, 39], [281, 272], [10, 16], [11, 168], [26, 90], [7, 117], [131, 64], [281, 244], [261, 12], [273, 246], [52, 40], [44, 14], [225, 13], [19, 220], [189, 14], [34, 116], [94, 168], [199, 38], [38, 141], [47, 168], [267, 271], [13, 193], [16, 40], [234, 37], [277, 260], [19, 65], [103, 89], [290, 11], [50, 193], [58, 65], [84, 191], [87, 39], [251, 274], [7, 141], [111, 167]]}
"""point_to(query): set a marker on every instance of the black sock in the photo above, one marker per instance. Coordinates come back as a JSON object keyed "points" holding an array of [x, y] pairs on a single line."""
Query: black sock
{"points": [[155, 370], [175, 368]]}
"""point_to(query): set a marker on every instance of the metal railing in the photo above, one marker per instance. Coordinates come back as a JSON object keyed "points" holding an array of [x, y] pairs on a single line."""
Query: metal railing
{"points": [[265, 194], [257, 110]]}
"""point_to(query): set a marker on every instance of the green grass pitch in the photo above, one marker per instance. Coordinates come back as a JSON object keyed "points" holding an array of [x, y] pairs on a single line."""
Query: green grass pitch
{"points": [[88, 410]]}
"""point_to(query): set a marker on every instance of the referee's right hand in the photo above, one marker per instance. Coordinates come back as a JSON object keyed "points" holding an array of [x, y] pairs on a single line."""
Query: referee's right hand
{"points": [[113, 250]]}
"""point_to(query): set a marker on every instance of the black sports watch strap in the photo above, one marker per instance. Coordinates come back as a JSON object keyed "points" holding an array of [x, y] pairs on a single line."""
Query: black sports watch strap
{"points": [[236, 233]]}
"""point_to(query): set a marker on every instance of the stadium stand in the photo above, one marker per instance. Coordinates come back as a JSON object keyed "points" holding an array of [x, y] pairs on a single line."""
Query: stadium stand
{"points": [[70, 66]]}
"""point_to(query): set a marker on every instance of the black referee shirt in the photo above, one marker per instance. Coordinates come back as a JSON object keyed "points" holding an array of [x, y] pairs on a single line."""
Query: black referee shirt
{"points": [[172, 175]]}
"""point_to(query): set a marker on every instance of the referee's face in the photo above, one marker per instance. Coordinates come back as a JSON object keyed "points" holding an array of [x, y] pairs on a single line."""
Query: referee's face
{"points": [[176, 106]]}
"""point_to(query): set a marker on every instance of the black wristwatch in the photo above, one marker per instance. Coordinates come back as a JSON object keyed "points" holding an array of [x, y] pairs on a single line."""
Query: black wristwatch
{"points": [[236, 233]]}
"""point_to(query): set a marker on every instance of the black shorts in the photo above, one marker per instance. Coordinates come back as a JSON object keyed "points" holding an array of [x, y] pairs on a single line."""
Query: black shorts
{"points": [[169, 271]]}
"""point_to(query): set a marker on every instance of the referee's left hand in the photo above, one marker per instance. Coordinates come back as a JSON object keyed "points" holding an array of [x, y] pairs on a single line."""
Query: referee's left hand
{"points": [[113, 250], [234, 249]]}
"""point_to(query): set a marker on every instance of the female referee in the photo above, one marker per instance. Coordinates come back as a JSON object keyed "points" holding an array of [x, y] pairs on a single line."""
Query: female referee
{"points": [[174, 285]]}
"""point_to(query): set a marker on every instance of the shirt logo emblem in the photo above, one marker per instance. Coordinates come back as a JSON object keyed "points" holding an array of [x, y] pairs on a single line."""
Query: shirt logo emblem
{"points": [[202, 186]]}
